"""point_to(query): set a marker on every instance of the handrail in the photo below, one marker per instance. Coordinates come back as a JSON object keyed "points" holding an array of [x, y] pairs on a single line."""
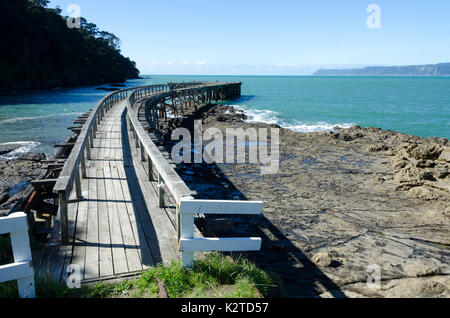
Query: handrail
{"points": [[187, 206], [71, 170], [166, 173]]}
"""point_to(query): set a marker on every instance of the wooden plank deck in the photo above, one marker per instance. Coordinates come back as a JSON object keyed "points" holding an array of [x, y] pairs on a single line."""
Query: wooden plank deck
{"points": [[118, 228]]}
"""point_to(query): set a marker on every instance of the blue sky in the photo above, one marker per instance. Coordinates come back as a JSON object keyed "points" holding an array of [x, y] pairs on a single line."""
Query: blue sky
{"points": [[286, 37]]}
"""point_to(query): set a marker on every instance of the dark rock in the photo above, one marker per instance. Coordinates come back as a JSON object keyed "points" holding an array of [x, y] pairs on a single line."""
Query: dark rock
{"points": [[32, 156], [5, 149], [425, 152], [15, 175], [339, 207]]}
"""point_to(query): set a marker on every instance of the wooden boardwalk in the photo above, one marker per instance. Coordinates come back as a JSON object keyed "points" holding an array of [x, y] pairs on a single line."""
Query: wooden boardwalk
{"points": [[122, 206], [117, 228]]}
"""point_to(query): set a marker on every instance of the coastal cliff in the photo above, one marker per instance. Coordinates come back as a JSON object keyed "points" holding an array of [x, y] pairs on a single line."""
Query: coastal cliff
{"points": [[39, 51]]}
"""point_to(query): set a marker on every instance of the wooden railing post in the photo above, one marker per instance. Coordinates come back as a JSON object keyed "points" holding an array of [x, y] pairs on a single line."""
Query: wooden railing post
{"points": [[161, 191], [186, 230], [142, 153], [88, 148], [150, 169], [91, 138], [64, 218], [83, 166], [78, 184]]}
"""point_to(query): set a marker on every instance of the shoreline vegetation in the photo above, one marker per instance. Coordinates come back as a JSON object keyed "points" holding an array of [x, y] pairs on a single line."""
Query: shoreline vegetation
{"points": [[39, 51], [215, 276]]}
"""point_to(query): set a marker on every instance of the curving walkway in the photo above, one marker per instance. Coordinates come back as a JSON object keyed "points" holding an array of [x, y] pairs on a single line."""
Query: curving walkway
{"points": [[119, 194], [117, 229]]}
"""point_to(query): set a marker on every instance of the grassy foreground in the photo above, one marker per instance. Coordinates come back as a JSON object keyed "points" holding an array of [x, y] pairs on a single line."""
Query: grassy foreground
{"points": [[214, 277]]}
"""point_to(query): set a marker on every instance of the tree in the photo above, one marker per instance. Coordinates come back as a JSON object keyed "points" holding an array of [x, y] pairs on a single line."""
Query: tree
{"points": [[38, 50], [40, 3], [112, 40]]}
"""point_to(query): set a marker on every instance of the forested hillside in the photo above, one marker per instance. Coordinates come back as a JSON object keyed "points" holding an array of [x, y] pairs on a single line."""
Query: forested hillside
{"points": [[38, 50]]}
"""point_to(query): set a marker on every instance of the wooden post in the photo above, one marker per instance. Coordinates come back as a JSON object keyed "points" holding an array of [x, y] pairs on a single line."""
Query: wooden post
{"points": [[83, 166], [161, 191], [64, 218], [88, 149], [142, 152], [78, 184], [186, 230], [150, 169], [91, 138]]}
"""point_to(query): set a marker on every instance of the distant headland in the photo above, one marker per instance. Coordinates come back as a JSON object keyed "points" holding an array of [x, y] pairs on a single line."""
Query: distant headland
{"points": [[442, 69]]}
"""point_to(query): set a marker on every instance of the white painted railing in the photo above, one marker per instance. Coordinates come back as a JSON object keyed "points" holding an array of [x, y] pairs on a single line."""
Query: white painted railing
{"points": [[188, 244], [22, 268]]}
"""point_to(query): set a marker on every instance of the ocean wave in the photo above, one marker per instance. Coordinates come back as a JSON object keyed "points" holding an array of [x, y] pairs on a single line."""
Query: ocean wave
{"points": [[260, 116], [25, 147], [16, 119], [272, 117], [316, 127]]}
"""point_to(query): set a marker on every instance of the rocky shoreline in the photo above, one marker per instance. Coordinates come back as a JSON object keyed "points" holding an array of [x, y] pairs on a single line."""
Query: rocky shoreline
{"points": [[342, 201], [15, 176]]}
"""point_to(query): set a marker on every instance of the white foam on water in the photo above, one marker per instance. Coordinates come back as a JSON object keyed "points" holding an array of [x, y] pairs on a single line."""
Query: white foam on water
{"points": [[16, 119], [271, 117], [316, 127], [25, 147], [260, 116]]}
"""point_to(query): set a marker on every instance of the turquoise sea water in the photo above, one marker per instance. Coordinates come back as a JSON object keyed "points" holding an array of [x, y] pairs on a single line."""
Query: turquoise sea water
{"points": [[412, 105]]}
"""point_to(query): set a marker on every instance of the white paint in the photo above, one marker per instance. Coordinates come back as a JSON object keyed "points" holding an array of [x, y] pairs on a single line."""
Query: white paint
{"points": [[188, 244], [22, 269], [13, 223], [220, 244]]}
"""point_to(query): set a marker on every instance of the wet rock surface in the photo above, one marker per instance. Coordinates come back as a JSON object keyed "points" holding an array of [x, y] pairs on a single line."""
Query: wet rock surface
{"points": [[340, 202], [15, 176], [7, 148]]}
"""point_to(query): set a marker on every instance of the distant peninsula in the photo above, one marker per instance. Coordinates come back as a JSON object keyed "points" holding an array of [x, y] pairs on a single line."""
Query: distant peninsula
{"points": [[442, 69], [39, 51]]}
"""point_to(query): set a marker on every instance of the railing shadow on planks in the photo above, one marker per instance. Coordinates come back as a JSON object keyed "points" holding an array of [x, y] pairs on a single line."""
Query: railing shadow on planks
{"points": [[159, 167]]}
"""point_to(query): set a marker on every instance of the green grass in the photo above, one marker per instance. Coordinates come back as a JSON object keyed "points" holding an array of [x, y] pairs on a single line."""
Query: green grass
{"points": [[213, 277], [6, 255]]}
